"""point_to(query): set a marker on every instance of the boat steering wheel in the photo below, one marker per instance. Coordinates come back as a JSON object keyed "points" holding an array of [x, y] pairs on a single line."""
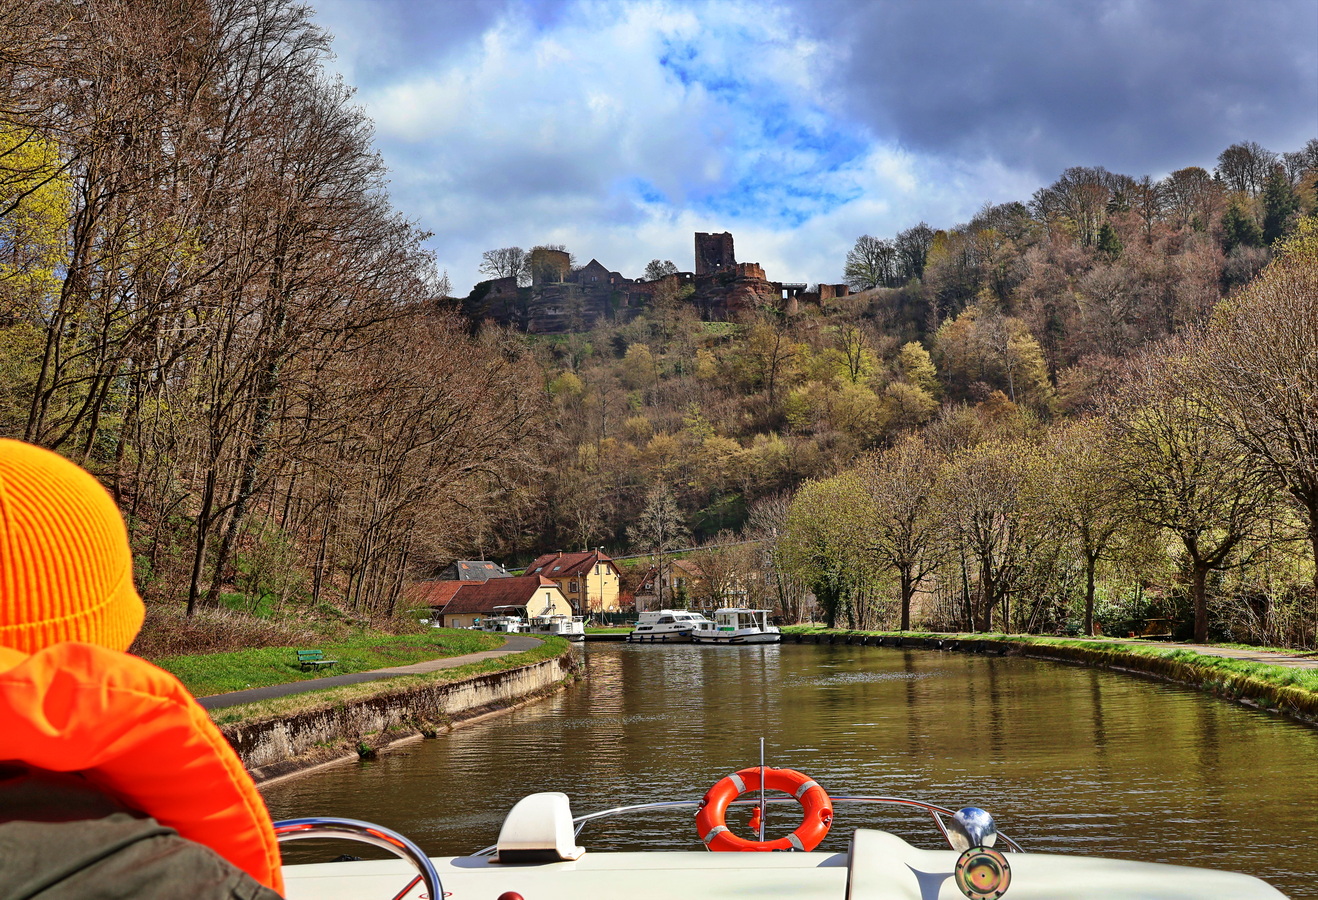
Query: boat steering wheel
{"points": [[367, 833]]}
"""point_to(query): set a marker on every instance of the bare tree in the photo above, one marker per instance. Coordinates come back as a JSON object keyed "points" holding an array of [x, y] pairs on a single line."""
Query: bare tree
{"points": [[727, 566], [1259, 366], [871, 263], [507, 262], [1245, 166], [659, 529], [1183, 475], [656, 269], [766, 524], [1086, 495], [909, 534], [998, 522]]}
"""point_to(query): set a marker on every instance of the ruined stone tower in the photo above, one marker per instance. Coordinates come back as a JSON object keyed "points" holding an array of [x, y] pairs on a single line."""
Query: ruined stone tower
{"points": [[714, 253]]}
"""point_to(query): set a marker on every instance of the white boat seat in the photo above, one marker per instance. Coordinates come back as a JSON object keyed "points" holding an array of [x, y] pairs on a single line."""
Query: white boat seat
{"points": [[538, 829]]}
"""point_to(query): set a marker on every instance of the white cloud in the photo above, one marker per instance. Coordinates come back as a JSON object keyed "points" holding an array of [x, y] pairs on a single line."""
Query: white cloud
{"points": [[619, 129]]}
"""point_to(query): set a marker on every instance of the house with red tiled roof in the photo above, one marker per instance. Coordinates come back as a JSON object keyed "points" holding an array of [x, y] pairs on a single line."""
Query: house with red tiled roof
{"points": [[590, 579], [462, 604]]}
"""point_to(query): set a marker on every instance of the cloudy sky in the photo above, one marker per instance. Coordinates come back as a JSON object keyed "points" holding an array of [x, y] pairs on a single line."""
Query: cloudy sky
{"points": [[619, 128]]}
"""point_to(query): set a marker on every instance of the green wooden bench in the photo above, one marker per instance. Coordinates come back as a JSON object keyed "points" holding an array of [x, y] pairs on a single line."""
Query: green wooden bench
{"points": [[313, 659]]}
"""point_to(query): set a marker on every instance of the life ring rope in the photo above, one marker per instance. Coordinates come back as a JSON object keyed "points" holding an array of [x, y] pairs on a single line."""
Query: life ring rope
{"points": [[817, 810]]}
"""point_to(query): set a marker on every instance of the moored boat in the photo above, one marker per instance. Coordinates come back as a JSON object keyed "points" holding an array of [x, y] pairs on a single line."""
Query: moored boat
{"points": [[571, 627], [503, 624], [738, 625], [537, 856], [667, 625]]}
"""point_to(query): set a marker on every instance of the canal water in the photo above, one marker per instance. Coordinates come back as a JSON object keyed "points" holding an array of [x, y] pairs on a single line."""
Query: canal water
{"points": [[1066, 759]]}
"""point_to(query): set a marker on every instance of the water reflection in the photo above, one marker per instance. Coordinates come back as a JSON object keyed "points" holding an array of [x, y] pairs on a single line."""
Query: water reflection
{"points": [[1065, 758]]}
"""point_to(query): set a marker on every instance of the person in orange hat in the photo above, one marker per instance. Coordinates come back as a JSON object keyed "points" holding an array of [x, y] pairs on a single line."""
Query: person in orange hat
{"points": [[114, 782]]}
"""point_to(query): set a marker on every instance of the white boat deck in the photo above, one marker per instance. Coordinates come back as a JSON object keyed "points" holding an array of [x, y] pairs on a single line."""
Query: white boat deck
{"points": [[880, 867]]}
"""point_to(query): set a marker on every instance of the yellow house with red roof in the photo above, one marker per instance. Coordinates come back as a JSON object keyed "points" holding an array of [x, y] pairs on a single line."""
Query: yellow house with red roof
{"points": [[590, 580]]}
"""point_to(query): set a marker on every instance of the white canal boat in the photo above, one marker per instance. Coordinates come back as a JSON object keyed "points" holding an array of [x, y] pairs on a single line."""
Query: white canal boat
{"points": [[667, 625], [537, 858], [571, 627], [738, 625], [503, 624]]}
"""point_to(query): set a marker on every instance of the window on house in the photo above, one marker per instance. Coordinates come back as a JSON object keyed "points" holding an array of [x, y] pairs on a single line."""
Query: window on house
{"points": [[572, 587]]}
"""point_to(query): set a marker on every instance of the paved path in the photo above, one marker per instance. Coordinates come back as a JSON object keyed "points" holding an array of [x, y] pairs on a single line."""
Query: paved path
{"points": [[1293, 659], [515, 643]]}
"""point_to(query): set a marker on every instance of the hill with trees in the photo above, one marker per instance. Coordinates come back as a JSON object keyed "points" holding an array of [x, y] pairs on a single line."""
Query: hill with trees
{"points": [[1062, 411]]}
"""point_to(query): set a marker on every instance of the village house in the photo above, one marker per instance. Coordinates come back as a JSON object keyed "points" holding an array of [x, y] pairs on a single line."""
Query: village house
{"points": [[590, 580], [463, 604]]}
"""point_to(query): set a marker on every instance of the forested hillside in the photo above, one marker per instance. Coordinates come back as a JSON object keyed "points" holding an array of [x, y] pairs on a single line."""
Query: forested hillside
{"points": [[207, 298], [986, 345]]}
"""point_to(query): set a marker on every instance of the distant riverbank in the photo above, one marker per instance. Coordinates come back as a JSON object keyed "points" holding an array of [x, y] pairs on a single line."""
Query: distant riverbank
{"points": [[1287, 684]]}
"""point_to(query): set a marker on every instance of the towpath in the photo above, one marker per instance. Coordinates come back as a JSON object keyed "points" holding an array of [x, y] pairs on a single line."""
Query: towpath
{"points": [[515, 643], [1295, 659]]}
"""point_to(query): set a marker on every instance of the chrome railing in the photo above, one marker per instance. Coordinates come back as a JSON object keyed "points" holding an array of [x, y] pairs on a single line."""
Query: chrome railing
{"points": [[367, 833], [935, 812]]}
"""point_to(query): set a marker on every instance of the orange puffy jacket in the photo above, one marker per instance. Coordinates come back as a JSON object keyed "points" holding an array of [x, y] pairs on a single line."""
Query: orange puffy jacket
{"points": [[136, 733]]}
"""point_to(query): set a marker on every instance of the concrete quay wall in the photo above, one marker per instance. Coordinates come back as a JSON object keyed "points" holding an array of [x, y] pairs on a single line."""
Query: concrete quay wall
{"points": [[341, 731]]}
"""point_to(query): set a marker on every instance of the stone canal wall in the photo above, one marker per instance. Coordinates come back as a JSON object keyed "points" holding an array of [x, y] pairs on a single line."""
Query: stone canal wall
{"points": [[349, 730], [1294, 702]]}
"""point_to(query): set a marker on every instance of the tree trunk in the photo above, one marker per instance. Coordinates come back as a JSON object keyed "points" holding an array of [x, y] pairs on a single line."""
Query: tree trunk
{"points": [[1199, 595], [1090, 564], [203, 536], [1313, 541], [908, 588]]}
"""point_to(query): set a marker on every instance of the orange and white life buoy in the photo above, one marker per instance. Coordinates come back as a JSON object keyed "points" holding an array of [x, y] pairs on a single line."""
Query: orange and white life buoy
{"points": [[711, 820]]}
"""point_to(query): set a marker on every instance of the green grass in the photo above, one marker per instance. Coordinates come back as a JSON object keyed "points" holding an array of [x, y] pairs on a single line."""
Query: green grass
{"points": [[1286, 688], [220, 673], [283, 707], [612, 629]]}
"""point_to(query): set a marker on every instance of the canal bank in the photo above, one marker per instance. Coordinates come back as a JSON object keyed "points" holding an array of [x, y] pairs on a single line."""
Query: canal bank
{"points": [[1275, 682], [292, 734]]}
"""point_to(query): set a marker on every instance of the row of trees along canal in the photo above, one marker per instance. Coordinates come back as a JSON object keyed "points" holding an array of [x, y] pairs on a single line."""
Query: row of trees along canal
{"points": [[1203, 458], [207, 299]]}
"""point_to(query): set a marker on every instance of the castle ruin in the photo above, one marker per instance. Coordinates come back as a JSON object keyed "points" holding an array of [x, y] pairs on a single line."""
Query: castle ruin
{"points": [[562, 299]]}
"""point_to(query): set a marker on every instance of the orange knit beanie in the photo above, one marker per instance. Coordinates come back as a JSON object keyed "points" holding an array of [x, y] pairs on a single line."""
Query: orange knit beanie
{"points": [[66, 571]]}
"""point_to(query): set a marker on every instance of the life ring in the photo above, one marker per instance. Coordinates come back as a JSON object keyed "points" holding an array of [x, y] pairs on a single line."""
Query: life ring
{"points": [[711, 820]]}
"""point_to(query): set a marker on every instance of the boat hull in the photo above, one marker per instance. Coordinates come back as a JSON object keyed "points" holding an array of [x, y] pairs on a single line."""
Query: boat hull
{"points": [[664, 637], [757, 638]]}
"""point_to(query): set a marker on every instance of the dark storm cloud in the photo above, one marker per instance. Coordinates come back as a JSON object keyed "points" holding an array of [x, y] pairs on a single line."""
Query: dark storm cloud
{"points": [[1139, 86]]}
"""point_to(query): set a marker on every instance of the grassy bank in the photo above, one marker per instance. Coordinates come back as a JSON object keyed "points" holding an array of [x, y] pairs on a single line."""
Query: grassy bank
{"points": [[219, 673], [1286, 689], [282, 707]]}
